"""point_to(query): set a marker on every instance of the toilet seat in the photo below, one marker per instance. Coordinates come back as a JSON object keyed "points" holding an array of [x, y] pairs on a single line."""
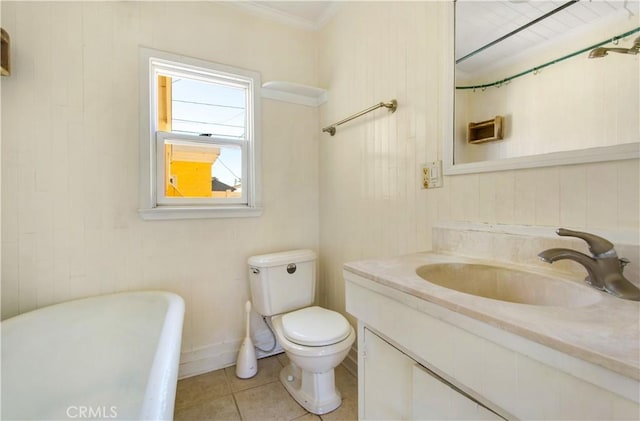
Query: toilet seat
{"points": [[315, 326]]}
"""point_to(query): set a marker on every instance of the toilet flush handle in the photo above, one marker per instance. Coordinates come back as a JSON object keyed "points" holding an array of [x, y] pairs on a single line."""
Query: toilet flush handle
{"points": [[255, 270]]}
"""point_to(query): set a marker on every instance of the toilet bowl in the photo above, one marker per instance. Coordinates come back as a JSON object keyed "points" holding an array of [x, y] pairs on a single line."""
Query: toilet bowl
{"points": [[315, 339], [309, 376]]}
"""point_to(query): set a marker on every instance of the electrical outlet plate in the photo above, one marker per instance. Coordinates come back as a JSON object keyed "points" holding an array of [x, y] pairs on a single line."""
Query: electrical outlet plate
{"points": [[431, 175]]}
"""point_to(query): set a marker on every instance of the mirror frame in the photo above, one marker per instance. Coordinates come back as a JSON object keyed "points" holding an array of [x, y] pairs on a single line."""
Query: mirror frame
{"points": [[578, 156]]}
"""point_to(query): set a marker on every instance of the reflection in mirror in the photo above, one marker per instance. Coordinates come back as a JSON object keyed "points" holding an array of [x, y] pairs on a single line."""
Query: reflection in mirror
{"points": [[528, 63]]}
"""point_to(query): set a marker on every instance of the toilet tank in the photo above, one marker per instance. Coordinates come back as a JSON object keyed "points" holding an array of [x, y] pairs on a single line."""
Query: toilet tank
{"points": [[282, 282]]}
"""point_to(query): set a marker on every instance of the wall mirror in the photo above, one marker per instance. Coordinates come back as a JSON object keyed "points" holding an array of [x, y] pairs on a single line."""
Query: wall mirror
{"points": [[528, 94]]}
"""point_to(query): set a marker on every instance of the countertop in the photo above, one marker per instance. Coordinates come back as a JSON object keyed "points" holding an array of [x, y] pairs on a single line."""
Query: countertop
{"points": [[605, 333]]}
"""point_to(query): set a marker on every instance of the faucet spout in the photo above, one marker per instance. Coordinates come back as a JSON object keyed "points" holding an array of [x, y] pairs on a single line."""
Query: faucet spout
{"points": [[604, 268], [589, 263]]}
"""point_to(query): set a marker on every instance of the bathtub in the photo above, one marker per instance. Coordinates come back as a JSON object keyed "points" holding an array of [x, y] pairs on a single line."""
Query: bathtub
{"points": [[106, 357]]}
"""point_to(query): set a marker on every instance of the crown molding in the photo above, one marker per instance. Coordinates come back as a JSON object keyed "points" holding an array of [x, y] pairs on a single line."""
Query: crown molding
{"points": [[259, 9]]}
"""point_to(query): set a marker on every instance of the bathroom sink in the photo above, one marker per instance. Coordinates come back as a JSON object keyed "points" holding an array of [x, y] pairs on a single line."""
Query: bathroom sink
{"points": [[505, 284]]}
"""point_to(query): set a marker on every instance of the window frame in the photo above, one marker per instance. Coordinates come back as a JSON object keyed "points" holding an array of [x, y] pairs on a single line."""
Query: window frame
{"points": [[152, 206]]}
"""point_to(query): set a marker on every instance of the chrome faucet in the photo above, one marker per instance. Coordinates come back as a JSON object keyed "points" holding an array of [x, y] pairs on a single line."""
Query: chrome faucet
{"points": [[604, 268]]}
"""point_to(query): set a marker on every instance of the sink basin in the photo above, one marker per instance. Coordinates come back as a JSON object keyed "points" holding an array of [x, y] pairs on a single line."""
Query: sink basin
{"points": [[504, 284]]}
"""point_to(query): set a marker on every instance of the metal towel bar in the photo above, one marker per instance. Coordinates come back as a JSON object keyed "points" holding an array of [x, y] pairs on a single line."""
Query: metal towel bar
{"points": [[391, 105]]}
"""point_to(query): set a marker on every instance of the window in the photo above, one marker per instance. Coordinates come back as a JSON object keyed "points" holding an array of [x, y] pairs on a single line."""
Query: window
{"points": [[199, 138]]}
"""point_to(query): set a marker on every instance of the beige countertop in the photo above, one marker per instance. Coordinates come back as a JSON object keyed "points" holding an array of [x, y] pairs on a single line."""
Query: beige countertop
{"points": [[605, 333]]}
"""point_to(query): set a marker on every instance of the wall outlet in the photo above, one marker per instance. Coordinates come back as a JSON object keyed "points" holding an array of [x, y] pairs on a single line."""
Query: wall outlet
{"points": [[431, 175]]}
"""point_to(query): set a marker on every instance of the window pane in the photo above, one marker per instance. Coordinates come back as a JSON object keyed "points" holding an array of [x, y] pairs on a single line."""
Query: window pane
{"points": [[204, 107], [201, 170]]}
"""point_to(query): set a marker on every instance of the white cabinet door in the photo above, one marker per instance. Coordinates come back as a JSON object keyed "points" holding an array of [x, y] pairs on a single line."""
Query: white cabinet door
{"points": [[387, 380], [434, 399], [398, 388]]}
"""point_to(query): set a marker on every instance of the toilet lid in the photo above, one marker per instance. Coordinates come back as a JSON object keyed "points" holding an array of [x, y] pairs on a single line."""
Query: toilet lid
{"points": [[315, 326]]}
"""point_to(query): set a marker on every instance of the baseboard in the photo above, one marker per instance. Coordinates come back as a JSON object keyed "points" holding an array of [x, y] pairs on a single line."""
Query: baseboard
{"points": [[221, 355], [350, 363]]}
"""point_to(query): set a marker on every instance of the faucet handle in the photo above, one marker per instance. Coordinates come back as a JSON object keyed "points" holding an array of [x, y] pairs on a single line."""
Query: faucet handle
{"points": [[598, 246]]}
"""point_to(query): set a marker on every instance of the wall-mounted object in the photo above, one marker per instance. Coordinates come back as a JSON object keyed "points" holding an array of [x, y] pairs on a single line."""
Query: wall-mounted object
{"points": [[294, 93], [5, 56], [392, 106], [485, 131]]}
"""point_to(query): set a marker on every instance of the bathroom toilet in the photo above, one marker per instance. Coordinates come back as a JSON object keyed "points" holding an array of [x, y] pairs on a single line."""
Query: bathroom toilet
{"points": [[315, 339]]}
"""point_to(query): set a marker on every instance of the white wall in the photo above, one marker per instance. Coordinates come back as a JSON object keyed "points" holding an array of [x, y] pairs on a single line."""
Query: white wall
{"points": [[370, 201], [70, 226], [589, 196]]}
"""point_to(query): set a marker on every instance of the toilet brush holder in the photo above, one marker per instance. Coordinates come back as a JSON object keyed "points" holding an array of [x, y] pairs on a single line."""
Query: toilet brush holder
{"points": [[247, 363]]}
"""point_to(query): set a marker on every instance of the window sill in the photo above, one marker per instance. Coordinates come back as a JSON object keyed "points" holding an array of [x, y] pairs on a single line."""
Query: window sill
{"points": [[198, 212]]}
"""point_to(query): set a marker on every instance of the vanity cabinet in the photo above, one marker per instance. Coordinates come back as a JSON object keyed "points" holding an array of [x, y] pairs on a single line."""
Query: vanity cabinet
{"points": [[418, 360], [396, 387]]}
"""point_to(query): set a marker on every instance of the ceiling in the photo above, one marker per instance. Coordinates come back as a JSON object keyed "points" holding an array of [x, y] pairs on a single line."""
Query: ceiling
{"points": [[310, 15], [480, 22]]}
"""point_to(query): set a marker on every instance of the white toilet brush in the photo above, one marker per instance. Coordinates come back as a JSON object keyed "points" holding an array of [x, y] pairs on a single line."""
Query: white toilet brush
{"points": [[247, 364]]}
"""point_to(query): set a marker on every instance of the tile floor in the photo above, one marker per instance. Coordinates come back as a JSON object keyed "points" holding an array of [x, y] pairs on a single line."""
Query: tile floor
{"points": [[220, 395]]}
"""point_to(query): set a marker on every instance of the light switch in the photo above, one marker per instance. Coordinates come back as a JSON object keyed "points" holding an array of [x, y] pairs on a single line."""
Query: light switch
{"points": [[431, 175]]}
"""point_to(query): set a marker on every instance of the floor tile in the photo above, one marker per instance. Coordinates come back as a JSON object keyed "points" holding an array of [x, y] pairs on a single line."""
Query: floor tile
{"points": [[308, 417], [220, 395], [347, 411], [223, 408], [268, 371], [268, 402], [346, 383], [202, 388], [284, 360]]}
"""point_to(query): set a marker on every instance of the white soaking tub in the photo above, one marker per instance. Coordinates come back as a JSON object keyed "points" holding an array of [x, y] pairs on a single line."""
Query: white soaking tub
{"points": [[106, 357]]}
